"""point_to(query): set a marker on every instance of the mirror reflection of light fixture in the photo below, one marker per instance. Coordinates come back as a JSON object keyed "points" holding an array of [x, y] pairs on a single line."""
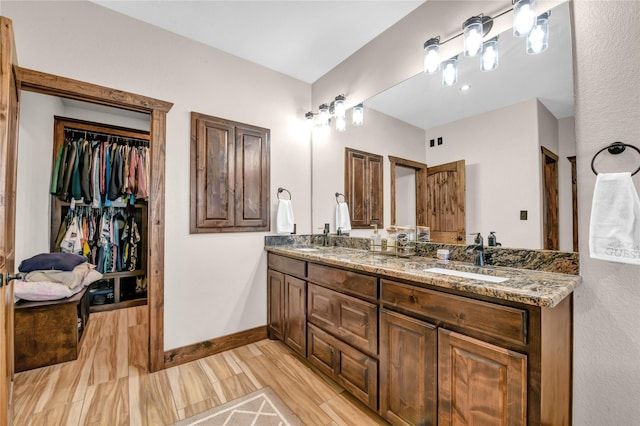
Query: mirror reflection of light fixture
{"points": [[335, 110], [358, 115], [432, 55], [524, 17], [489, 60], [450, 71], [538, 38]]}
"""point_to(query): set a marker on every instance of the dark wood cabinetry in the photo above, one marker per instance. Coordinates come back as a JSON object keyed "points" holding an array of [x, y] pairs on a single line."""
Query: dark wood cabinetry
{"points": [[295, 314], [408, 376], [229, 176], [275, 300], [480, 383], [363, 188]]}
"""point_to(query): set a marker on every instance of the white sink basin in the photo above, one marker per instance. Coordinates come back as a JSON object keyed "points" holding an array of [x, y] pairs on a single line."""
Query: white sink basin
{"points": [[471, 275]]}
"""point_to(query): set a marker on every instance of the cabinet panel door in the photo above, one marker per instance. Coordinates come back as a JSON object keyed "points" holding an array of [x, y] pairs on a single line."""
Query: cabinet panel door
{"points": [[356, 188], [352, 320], [275, 312], [252, 177], [214, 175], [320, 351], [374, 169], [408, 390], [480, 383], [295, 314]]}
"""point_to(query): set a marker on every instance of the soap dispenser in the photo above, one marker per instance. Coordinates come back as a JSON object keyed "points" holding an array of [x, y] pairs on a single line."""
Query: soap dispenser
{"points": [[376, 240], [491, 239]]}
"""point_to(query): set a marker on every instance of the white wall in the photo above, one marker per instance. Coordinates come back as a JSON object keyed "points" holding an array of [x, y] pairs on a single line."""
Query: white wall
{"points": [[502, 173], [567, 148], [381, 135], [214, 284], [607, 318], [405, 196]]}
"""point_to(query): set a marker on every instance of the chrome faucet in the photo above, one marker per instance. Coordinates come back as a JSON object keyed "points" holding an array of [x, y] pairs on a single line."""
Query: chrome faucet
{"points": [[478, 250], [325, 235]]}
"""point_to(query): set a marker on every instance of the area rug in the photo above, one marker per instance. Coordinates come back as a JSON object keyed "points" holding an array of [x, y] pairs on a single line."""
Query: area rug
{"points": [[260, 408]]}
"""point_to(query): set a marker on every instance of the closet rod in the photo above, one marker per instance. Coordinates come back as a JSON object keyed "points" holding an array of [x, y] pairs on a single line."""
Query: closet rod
{"points": [[69, 130]]}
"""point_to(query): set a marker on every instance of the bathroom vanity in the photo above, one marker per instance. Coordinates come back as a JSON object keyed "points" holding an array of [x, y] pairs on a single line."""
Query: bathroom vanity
{"points": [[418, 345]]}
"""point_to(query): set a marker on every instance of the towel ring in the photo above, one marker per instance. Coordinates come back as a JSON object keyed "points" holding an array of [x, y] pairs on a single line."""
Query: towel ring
{"points": [[338, 195], [283, 190], [615, 149]]}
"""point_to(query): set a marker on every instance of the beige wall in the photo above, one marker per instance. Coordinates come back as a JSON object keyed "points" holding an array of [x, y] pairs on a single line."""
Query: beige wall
{"points": [[214, 284]]}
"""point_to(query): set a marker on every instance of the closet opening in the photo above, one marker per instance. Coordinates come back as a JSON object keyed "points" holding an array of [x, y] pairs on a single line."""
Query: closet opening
{"points": [[100, 115]]}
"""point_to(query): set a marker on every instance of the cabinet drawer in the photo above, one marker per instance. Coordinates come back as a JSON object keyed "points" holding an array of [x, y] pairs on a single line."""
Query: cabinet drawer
{"points": [[504, 322], [295, 267], [352, 320], [348, 282], [354, 370]]}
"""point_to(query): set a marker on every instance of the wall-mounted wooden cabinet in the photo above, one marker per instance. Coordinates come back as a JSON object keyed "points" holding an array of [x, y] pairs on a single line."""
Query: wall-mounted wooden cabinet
{"points": [[229, 176], [363, 188]]}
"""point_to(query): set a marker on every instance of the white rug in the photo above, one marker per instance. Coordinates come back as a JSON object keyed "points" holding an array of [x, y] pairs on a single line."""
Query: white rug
{"points": [[261, 408]]}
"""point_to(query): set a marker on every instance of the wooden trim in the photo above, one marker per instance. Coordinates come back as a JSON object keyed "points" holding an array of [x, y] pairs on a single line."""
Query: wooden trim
{"points": [[421, 196], [574, 201], [49, 84], [204, 349]]}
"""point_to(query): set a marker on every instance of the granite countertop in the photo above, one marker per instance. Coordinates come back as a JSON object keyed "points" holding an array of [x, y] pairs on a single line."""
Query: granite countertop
{"points": [[545, 289]]}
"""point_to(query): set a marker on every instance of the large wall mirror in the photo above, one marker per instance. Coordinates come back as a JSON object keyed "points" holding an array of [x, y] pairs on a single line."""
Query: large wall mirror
{"points": [[499, 127]]}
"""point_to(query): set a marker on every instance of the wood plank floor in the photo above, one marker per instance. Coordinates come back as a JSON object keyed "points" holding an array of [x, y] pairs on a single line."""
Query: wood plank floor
{"points": [[108, 383]]}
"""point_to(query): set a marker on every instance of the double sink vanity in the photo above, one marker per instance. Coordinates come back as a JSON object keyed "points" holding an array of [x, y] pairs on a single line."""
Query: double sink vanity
{"points": [[426, 342]]}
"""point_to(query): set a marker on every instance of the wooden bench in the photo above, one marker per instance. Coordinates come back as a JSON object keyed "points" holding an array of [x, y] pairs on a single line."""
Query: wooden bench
{"points": [[49, 332]]}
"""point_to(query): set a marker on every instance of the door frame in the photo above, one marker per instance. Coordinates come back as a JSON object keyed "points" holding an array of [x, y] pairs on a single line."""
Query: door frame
{"points": [[550, 201], [49, 84], [421, 190]]}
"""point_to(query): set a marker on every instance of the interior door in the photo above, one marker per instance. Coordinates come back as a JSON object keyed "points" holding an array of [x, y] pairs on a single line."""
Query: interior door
{"points": [[9, 108], [550, 200], [445, 188]]}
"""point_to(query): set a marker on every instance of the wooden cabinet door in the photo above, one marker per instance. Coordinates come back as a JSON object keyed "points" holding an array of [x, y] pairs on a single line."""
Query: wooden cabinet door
{"points": [[354, 370], [352, 320], [480, 383], [295, 315], [408, 357], [275, 304], [252, 177], [445, 187], [364, 188]]}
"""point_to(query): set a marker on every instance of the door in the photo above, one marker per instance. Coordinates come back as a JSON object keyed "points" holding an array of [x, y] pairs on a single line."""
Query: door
{"points": [[480, 383], [550, 200], [9, 110], [408, 386], [446, 203], [295, 314]]}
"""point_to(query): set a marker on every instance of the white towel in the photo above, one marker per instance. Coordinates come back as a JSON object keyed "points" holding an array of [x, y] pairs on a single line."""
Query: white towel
{"points": [[284, 217], [614, 232], [342, 217]]}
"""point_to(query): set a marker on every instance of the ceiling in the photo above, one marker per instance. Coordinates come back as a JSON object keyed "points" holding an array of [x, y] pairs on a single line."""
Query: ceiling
{"points": [[303, 39]]}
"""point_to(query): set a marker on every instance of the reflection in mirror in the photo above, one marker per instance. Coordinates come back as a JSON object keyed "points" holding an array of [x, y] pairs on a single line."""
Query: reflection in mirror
{"points": [[499, 128]]}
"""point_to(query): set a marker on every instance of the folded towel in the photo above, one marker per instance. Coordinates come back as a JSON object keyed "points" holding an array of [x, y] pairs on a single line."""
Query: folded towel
{"points": [[342, 217], [614, 231], [284, 217]]}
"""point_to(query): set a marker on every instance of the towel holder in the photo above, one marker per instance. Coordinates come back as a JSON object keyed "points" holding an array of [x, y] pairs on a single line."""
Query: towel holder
{"points": [[283, 190], [615, 148], [338, 195]]}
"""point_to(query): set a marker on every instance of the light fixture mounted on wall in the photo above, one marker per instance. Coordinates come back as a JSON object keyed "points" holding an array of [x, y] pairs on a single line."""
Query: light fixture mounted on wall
{"points": [[474, 29], [336, 110]]}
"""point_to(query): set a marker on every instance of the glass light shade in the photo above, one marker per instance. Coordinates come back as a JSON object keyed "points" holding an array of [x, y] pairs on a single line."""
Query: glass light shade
{"points": [[524, 17], [432, 55], [341, 124], [473, 33], [339, 106], [489, 61], [309, 118], [323, 115], [538, 38], [358, 115], [450, 72]]}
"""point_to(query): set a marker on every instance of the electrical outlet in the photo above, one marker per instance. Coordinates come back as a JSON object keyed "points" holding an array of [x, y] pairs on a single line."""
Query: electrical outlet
{"points": [[440, 140], [432, 143], [523, 214]]}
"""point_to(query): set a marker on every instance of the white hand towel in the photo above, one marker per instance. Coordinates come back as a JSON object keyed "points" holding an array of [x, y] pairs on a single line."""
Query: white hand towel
{"points": [[284, 217], [614, 231], [342, 217]]}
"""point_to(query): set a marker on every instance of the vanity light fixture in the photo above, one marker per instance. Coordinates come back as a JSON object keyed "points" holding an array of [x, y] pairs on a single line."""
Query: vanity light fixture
{"points": [[432, 55], [524, 17], [358, 115], [476, 28], [489, 60], [538, 38], [336, 110]]}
